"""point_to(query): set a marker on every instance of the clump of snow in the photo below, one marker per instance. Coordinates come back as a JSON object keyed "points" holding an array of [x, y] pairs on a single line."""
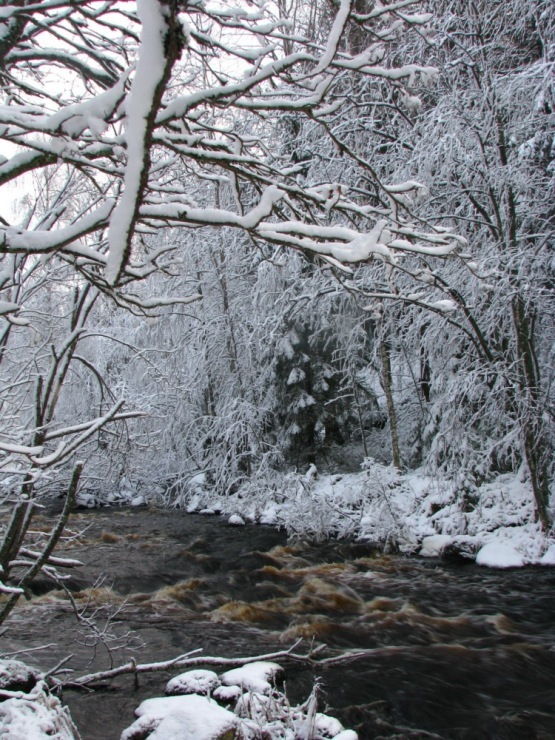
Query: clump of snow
{"points": [[499, 555], [253, 676], [270, 514], [227, 694], [193, 682], [435, 545], [548, 558], [327, 726], [189, 717], [86, 500], [34, 716], [236, 520]]}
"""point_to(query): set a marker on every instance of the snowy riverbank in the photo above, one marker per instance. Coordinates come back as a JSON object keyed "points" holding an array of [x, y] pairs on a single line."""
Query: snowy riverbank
{"points": [[413, 512]]}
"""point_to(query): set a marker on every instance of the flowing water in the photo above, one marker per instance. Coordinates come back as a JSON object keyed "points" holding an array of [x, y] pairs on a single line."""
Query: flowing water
{"points": [[450, 650]]}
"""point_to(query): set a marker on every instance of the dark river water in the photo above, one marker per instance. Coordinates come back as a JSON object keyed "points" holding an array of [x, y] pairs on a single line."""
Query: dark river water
{"points": [[450, 650]]}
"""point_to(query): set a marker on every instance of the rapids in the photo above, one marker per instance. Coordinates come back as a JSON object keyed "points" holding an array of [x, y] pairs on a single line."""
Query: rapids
{"points": [[451, 650]]}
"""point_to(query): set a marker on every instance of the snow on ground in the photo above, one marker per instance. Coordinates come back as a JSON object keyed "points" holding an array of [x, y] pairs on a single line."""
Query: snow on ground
{"points": [[413, 512]]}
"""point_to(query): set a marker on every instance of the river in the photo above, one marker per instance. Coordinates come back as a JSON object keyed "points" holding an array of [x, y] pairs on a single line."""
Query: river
{"points": [[451, 650]]}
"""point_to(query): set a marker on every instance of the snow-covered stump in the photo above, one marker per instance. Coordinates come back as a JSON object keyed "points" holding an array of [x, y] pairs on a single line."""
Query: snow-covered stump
{"points": [[253, 709]]}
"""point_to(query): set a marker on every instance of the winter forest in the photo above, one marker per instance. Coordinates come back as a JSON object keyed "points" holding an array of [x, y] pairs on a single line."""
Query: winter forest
{"points": [[290, 261]]}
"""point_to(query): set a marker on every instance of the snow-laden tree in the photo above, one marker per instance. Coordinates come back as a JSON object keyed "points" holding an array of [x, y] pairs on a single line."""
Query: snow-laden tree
{"points": [[475, 338], [152, 107], [159, 116]]}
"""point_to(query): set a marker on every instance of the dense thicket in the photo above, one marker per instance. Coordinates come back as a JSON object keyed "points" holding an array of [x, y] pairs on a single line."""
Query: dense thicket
{"points": [[273, 233]]}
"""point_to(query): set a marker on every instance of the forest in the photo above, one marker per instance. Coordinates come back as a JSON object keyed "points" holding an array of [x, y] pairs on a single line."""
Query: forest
{"points": [[287, 261]]}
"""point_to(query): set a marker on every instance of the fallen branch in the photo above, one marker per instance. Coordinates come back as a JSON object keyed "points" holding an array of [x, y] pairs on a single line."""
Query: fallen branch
{"points": [[188, 661]]}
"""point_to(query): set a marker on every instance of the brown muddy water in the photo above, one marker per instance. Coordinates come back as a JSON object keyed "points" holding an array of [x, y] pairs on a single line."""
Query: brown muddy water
{"points": [[451, 650]]}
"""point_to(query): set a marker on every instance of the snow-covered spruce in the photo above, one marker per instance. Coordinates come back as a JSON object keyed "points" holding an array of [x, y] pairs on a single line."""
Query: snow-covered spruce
{"points": [[254, 709]]}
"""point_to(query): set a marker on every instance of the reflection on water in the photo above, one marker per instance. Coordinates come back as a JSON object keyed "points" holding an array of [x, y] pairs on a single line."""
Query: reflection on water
{"points": [[451, 650]]}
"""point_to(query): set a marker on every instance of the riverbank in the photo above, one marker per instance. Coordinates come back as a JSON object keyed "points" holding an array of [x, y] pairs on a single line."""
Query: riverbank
{"points": [[492, 524]]}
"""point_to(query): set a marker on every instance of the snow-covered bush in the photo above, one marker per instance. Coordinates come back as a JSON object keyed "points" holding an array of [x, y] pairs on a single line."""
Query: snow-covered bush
{"points": [[30, 712], [254, 709]]}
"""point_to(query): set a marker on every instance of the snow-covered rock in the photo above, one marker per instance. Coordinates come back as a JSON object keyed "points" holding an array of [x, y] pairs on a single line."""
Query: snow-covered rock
{"points": [[189, 717], [16, 676], [499, 555], [432, 547], [327, 726], [254, 677], [227, 694], [236, 521], [193, 682], [548, 558]]}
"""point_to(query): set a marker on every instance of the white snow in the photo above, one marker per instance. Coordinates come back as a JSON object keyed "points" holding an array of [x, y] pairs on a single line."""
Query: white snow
{"points": [[8, 307], [334, 36], [227, 693], [265, 713], [326, 725], [255, 705], [446, 305], [15, 672], [499, 555], [236, 520]]}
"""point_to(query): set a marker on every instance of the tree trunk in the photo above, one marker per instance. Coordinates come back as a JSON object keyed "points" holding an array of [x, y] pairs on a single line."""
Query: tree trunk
{"points": [[385, 355]]}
